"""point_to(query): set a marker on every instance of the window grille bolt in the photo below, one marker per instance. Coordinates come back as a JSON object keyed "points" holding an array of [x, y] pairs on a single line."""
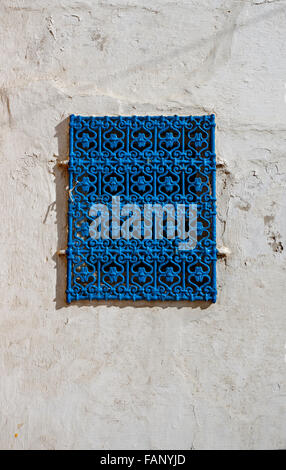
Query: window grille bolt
{"points": [[223, 251], [63, 163], [61, 252], [220, 162]]}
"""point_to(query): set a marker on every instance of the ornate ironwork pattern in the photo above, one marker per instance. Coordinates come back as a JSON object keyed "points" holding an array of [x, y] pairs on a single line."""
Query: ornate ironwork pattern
{"points": [[150, 159]]}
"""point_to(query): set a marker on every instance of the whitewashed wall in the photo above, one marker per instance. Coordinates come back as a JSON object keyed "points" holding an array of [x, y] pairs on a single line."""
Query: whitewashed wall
{"points": [[144, 376]]}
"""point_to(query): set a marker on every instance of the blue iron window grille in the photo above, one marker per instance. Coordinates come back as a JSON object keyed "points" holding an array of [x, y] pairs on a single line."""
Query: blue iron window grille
{"points": [[144, 160]]}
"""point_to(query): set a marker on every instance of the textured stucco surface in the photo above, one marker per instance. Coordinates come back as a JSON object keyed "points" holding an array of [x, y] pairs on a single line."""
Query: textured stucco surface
{"points": [[178, 375]]}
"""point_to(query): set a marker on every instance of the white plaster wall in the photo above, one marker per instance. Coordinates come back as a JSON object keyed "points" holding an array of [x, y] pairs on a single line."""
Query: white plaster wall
{"points": [[151, 376]]}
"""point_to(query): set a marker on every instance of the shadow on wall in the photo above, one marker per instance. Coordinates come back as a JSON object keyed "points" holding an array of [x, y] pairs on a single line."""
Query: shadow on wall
{"points": [[61, 180]]}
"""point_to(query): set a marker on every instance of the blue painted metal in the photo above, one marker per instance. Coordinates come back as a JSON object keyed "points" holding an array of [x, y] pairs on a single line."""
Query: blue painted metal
{"points": [[150, 159]]}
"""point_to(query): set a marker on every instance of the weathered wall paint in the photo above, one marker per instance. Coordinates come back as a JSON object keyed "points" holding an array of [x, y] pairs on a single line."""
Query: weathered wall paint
{"points": [[115, 375]]}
